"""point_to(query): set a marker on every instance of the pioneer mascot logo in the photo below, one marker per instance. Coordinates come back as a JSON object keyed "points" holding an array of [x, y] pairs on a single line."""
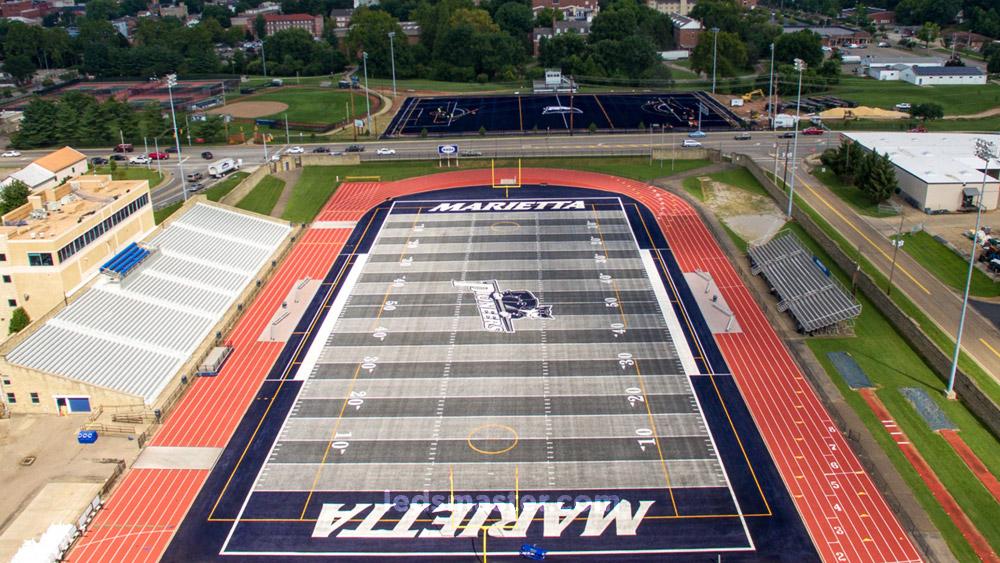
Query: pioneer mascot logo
{"points": [[498, 309]]}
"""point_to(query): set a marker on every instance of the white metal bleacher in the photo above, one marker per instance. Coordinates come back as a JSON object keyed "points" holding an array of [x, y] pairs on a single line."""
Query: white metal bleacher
{"points": [[133, 336], [815, 299]]}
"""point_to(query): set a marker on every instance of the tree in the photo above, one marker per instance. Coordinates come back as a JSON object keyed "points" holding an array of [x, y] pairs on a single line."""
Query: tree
{"points": [[475, 18], [38, 125], [879, 181], [259, 26], [993, 65], [732, 54], [927, 111], [369, 32], [806, 45], [941, 12], [546, 16], [14, 195], [20, 67], [928, 32], [19, 320], [515, 18]]}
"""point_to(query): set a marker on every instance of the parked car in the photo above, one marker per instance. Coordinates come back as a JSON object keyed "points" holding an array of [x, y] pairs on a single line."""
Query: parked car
{"points": [[207, 155], [696, 134], [690, 143], [813, 131], [295, 150], [10, 154], [883, 43], [159, 156], [124, 147], [742, 137], [472, 153], [903, 106], [385, 151], [918, 129], [321, 150], [119, 157], [98, 161], [787, 135], [171, 149], [355, 148], [141, 159], [193, 176]]}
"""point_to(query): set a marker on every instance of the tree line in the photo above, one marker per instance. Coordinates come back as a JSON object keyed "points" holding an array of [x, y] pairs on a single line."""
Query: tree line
{"points": [[79, 119], [870, 172]]}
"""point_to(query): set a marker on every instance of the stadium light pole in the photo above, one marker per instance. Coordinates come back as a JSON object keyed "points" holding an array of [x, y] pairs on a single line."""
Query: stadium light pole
{"points": [[987, 151], [800, 66], [368, 103], [263, 57], [715, 51], [171, 82], [392, 57], [770, 88]]}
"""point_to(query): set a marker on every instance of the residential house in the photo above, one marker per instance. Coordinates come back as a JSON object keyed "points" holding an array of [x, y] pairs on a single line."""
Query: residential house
{"points": [[571, 9], [686, 31], [341, 18], [679, 7]]}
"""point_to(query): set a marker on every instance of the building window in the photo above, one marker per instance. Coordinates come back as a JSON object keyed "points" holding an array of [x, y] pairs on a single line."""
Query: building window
{"points": [[39, 259], [6, 381], [11, 398], [12, 302], [3, 257], [34, 399], [6, 278]]}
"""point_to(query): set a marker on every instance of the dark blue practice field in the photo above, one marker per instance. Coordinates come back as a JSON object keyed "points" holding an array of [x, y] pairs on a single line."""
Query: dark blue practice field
{"points": [[596, 495], [465, 115]]}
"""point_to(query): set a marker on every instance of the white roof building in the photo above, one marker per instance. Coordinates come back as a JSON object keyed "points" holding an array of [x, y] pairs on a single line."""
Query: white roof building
{"points": [[131, 337], [937, 172]]}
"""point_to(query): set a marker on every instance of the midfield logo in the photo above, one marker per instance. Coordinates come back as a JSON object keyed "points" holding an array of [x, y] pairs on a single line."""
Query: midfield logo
{"points": [[498, 309]]}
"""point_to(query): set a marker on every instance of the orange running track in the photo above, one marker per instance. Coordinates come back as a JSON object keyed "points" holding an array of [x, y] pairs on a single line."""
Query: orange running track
{"points": [[845, 514], [138, 521]]}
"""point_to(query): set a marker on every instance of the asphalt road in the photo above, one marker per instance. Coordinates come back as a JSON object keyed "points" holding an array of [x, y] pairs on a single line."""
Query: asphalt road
{"points": [[761, 145]]}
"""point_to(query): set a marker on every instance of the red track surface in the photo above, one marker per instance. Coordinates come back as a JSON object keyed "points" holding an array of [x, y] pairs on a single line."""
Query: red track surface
{"points": [[845, 514], [944, 498], [972, 460], [139, 520]]}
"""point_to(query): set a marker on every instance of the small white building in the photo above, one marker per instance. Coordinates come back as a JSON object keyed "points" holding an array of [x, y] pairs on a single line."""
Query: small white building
{"points": [[886, 72], [937, 172], [51, 169], [871, 61], [942, 75]]}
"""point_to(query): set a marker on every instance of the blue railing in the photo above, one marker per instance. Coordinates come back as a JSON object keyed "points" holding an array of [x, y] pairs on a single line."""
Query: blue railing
{"points": [[123, 262]]}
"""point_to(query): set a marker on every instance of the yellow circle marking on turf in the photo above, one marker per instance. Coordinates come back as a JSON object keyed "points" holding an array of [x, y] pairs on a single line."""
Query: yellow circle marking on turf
{"points": [[513, 435], [505, 226]]}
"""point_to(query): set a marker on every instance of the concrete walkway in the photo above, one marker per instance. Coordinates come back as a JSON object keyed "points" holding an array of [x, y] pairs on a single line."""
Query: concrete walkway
{"points": [[290, 177], [981, 339]]}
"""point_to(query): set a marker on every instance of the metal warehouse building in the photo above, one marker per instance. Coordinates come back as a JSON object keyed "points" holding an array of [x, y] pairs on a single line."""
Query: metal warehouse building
{"points": [[937, 172]]}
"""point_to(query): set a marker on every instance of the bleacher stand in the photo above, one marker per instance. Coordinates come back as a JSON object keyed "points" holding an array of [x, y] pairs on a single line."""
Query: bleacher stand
{"points": [[804, 287], [133, 336]]}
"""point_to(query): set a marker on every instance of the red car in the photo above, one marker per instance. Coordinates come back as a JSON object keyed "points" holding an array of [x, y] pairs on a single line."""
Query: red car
{"points": [[158, 156], [918, 129], [812, 131]]}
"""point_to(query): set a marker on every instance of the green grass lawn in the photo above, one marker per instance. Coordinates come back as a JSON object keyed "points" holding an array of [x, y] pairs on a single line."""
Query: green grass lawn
{"points": [[956, 100], [848, 193], [692, 185], [311, 105], [949, 267], [680, 73], [263, 196], [941, 339], [161, 215], [132, 173], [741, 178], [220, 189], [891, 364], [318, 183], [403, 86]]}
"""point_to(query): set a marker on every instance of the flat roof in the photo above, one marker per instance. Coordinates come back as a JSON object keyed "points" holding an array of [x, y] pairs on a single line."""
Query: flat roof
{"points": [[76, 199], [934, 158]]}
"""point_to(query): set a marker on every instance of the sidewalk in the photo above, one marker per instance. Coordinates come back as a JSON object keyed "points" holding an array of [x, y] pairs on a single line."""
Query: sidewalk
{"points": [[938, 301]]}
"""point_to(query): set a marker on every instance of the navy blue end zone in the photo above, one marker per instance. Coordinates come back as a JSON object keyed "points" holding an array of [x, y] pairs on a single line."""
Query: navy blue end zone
{"points": [[270, 524], [558, 113]]}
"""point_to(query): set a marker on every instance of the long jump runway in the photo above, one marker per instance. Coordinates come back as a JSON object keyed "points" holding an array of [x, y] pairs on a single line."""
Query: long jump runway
{"points": [[487, 373]]}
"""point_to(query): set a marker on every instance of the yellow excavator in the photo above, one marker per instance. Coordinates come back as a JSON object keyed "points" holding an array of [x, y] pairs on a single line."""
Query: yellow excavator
{"points": [[748, 97]]}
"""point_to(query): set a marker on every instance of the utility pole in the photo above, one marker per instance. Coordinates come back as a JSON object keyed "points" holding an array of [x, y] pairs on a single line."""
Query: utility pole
{"points": [[171, 82], [287, 137], [145, 149], [368, 102], [896, 243], [263, 57], [800, 66], [715, 51], [392, 57], [770, 87]]}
